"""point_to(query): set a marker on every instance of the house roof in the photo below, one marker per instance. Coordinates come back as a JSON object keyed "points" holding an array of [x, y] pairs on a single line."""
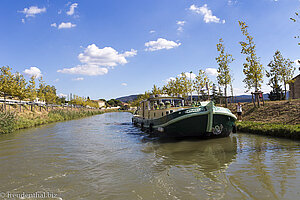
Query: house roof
{"points": [[298, 76]]}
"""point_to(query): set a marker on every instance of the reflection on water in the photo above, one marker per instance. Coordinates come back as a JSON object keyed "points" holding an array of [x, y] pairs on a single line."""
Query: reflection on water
{"points": [[207, 155], [105, 157]]}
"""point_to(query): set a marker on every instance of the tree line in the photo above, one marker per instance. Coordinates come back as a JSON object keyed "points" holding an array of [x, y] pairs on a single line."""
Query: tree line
{"points": [[14, 85], [280, 73]]}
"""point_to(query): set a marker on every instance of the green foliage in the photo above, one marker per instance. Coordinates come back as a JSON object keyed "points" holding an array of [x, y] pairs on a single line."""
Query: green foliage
{"points": [[7, 122], [200, 82], [140, 98], [277, 130], [40, 93], [156, 90], [223, 60], [114, 103], [32, 93], [281, 69], [53, 116], [19, 87], [253, 70], [7, 81]]}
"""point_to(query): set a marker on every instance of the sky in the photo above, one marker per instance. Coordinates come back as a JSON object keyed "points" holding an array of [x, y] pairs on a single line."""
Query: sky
{"points": [[113, 48]]}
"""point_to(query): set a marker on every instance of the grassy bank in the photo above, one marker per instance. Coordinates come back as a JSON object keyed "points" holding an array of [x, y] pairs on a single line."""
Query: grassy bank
{"points": [[11, 121], [270, 129], [275, 118]]}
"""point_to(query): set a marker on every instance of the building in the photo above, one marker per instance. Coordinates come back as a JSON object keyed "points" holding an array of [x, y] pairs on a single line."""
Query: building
{"points": [[100, 103], [295, 88]]}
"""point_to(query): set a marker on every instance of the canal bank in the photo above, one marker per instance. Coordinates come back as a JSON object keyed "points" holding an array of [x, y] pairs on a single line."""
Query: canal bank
{"points": [[11, 121], [275, 118], [105, 157]]}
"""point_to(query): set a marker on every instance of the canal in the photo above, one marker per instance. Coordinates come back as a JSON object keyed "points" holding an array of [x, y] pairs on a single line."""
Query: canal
{"points": [[105, 157]]}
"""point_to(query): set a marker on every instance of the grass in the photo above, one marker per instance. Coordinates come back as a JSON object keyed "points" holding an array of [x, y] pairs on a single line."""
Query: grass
{"points": [[11, 121], [270, 129]]}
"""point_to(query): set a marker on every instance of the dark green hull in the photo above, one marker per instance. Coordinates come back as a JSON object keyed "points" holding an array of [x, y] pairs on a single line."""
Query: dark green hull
{"points": [[189, 123]]}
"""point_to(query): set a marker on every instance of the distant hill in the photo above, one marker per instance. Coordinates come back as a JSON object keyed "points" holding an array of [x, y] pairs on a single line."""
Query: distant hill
{"points": [[126, 99], [241, 98]]}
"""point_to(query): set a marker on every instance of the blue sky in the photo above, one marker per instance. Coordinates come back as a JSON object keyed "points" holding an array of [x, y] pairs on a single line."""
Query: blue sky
{"points": [[111, 48]]}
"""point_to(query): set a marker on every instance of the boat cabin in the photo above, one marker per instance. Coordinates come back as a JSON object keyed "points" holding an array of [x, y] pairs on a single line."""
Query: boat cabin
{"points": [[159, 106]]}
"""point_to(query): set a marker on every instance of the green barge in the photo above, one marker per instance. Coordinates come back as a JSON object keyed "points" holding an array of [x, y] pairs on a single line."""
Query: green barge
{"points": [[168, 117]]}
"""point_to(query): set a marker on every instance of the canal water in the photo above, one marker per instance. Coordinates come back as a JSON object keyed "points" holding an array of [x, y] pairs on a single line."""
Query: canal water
{"points": [[105, 157]]}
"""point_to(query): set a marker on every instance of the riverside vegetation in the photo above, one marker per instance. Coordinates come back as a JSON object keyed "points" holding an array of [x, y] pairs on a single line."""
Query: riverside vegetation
{"points": [[275, 118], [11, 121]]}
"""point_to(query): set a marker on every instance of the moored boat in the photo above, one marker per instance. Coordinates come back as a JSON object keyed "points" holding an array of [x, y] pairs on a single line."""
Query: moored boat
{"points": [[168, 116]]}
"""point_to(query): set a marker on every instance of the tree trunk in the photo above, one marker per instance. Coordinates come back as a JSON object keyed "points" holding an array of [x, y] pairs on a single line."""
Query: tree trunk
{"points": [[284, 90], [4, 102], [225, 90]]}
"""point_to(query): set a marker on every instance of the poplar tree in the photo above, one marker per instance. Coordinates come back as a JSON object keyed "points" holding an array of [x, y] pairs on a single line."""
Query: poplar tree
{"points": [[32, 93], [200, 82], [223, 60], [40, 90], [7, 81], [19, 88], [253, 70], [155, 90], [281, 69]]}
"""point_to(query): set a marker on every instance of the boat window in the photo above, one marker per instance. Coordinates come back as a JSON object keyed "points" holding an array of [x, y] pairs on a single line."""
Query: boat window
{"points": [[171, 111], [167, 112], [162, 113]]}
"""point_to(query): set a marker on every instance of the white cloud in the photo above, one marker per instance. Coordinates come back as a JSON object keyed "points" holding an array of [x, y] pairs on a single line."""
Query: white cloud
{"points": [[32, 11], [297, 62], [78, 79], [188, 75], [161, 43], [89, 70], [169, 79], [62, 95], [33, 71], [53, 25], [211, 71], [72, 9], [107, 56], [124, 84], [152, 31], [23, 21], [208, 16], [66, 25], [180, 25], [93, 57], [56, 80]]}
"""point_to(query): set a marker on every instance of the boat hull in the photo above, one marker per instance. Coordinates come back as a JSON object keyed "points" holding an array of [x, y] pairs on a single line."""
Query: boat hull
{"points": [[188, 123]]}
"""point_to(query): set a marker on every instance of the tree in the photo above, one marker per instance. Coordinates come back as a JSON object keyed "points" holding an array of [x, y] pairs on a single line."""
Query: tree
{"points": [[184, 85], [276, 93], [281, 69], [214, 93], [200, 82], [49, 94], [224, 59], [40, 93], [19, 88], [286, 73], [7, 81], [155, 90], [32, 93], [253, 70]]}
